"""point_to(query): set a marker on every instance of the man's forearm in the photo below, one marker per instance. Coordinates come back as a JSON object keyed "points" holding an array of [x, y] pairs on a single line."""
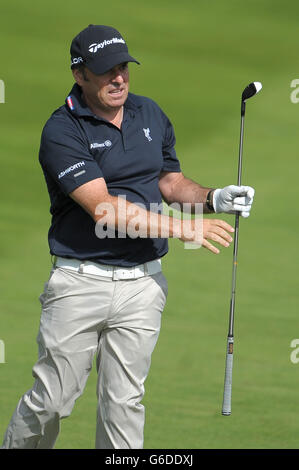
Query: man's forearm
{"points": [[129, 218], [188, 191]]}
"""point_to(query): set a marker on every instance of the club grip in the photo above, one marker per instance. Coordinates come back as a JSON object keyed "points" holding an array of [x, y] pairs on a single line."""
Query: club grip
{"points": [[227, 394]]}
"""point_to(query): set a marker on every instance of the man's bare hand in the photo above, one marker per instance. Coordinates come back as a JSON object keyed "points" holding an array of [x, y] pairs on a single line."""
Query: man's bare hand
{"points": [[217, 231], [212, 229]]}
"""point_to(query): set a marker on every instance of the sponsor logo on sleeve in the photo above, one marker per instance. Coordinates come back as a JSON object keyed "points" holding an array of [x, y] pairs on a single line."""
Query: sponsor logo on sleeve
{"points": [[70, 169]]}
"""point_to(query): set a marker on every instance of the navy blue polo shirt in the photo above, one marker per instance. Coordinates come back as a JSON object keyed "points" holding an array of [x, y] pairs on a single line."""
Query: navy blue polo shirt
{"points": [[78, 146]]}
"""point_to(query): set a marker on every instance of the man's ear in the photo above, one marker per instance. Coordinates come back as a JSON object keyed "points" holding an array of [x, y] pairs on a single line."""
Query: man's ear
{"points": [[78, 76]]}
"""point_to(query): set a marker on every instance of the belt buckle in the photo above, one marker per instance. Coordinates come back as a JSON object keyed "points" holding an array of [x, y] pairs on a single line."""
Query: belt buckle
{"points": [[120, 273]]}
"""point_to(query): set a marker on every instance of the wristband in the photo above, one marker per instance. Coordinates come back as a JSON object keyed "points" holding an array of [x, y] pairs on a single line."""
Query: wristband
{"points": [[209, 201]]}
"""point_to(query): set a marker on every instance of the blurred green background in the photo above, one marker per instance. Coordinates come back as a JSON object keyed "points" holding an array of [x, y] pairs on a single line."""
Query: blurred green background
{"points": [[197, 57]]}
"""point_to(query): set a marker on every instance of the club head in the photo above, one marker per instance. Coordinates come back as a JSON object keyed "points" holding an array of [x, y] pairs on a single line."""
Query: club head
{"points": [[251, 90]]}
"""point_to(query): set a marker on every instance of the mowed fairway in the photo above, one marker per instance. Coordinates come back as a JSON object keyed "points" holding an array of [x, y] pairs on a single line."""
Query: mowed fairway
{"points": [[196, 58]]}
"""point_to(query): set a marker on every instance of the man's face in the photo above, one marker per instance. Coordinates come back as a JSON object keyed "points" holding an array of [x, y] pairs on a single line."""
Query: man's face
{"points": [[107, 91]]}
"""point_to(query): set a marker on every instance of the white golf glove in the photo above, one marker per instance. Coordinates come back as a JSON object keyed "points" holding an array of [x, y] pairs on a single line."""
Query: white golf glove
{"points": [[232, 199]]}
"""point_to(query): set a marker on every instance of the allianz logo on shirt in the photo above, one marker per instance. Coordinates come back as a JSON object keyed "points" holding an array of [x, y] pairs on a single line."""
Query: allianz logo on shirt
{"points": [[95, 145]]}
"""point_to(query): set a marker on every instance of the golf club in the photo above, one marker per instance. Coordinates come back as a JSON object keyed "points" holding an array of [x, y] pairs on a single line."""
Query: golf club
{"points": [[251, 90]]}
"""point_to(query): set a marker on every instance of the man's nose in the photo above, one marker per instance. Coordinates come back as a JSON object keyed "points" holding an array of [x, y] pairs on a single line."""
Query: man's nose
{"points": [[118, 76]]}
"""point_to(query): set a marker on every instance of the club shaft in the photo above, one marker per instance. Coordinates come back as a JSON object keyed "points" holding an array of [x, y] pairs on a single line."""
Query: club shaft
{"points": [[226, 405], [243, 105], [234, 279]]}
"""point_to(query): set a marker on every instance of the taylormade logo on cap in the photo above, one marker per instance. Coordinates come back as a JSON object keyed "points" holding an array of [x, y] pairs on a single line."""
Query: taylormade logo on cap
{"points": [[76, 60], [94, 47]]}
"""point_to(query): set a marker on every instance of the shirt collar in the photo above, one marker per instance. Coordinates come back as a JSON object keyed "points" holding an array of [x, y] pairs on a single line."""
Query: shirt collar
{"points": [[77, 106]]}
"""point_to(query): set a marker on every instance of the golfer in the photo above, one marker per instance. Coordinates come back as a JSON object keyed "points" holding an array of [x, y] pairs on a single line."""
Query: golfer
{"points": [[108, 159]]}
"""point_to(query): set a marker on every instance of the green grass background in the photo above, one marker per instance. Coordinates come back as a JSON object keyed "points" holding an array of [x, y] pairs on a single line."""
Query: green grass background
{"points": [[197, 56]]}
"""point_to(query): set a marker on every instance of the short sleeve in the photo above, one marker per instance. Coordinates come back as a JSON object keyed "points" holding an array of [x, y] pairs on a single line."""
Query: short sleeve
{"points": [[171, 162], [65, 156]]}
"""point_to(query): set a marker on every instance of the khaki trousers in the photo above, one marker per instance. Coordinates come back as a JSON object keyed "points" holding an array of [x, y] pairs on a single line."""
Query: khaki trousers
{"points": [[83, 315]]}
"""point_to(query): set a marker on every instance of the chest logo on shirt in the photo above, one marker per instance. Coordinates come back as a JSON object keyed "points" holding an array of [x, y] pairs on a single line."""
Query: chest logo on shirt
{"points": [[95, 145], [147, 134]]}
